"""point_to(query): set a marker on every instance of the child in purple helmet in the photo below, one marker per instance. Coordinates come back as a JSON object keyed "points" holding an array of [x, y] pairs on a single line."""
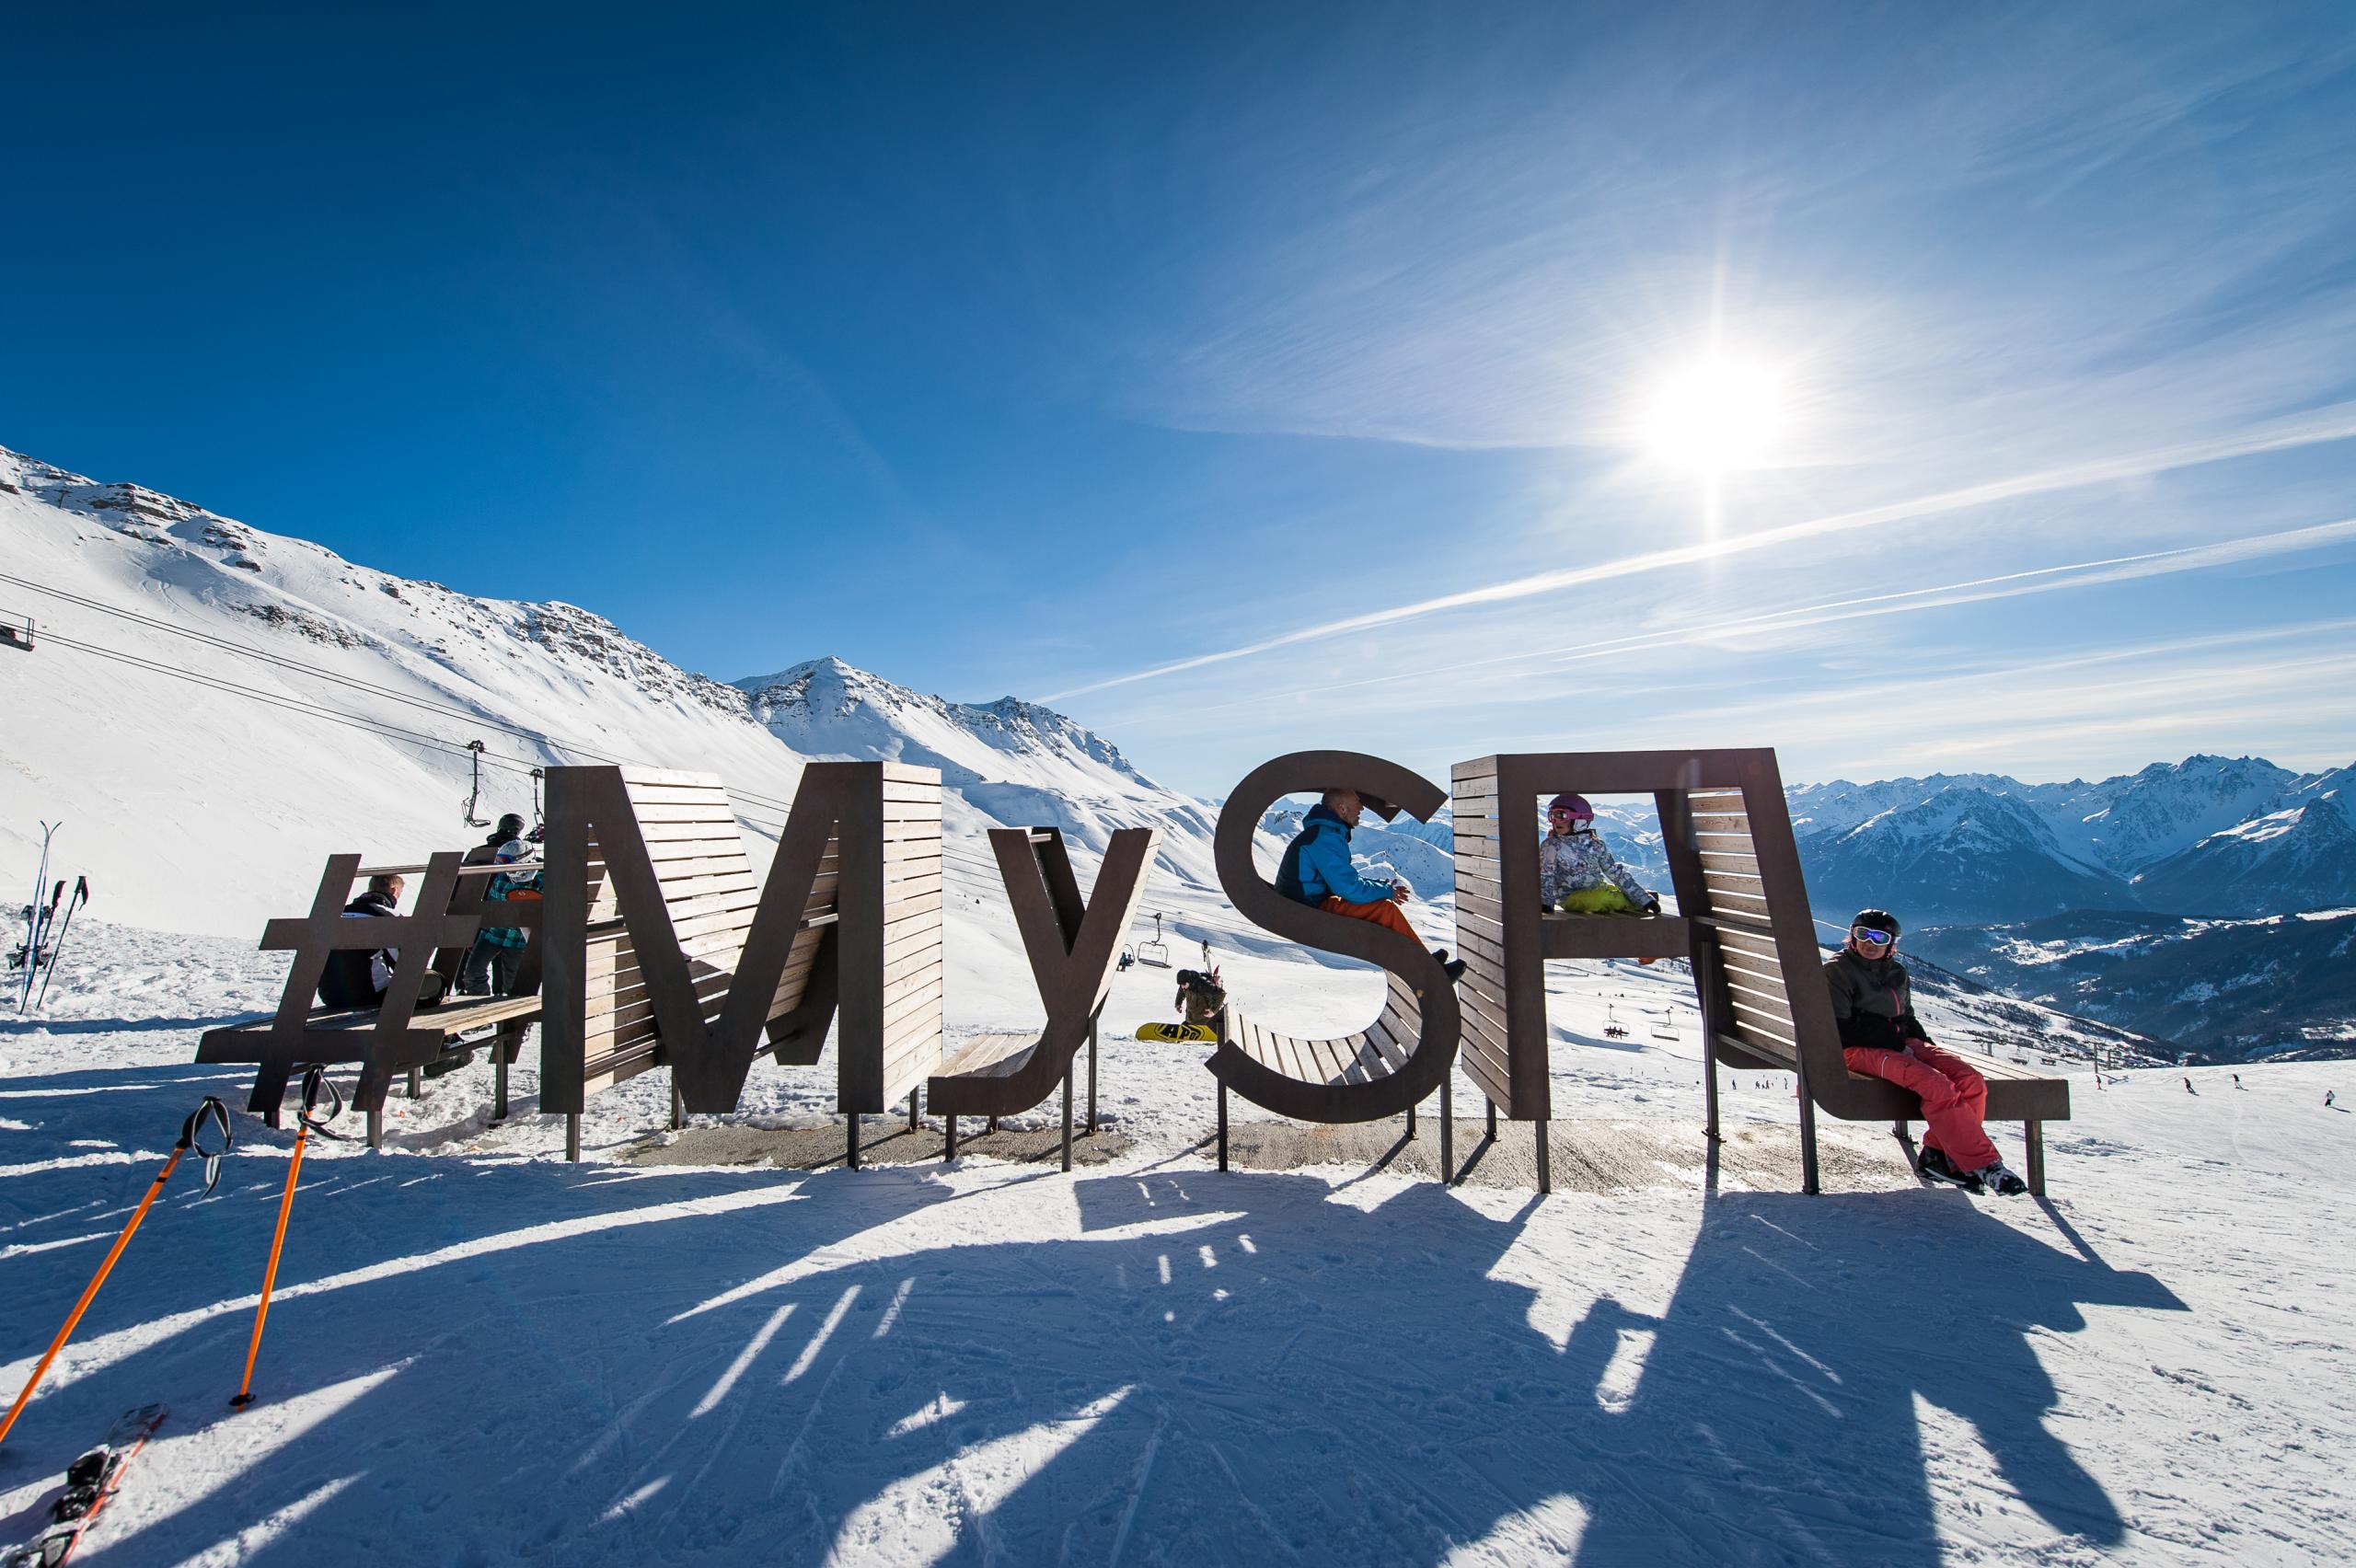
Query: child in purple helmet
{"points": [[1577, 873]]}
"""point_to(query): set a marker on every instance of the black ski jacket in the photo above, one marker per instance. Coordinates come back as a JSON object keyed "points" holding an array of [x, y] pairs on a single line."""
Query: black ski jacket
{"points": [[1873, 1002], [346, 982]]}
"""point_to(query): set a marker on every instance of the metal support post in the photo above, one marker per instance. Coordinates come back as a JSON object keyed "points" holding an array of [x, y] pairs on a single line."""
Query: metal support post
{"points": [[914, 1124], [1067, 1120], [1222, 1124], [951, 1152], [1448, 1128], [1545, 1168], [851, 1158], [1091, 1076], [573, 1136]]}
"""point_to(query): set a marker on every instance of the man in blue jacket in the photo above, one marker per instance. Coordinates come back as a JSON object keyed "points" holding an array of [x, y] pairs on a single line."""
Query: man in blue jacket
{"points": [[1317, 870]]}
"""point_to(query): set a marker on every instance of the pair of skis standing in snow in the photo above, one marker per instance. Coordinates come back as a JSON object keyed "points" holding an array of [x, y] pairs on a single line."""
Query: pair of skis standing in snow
{"points": [[93, 1479], [45, 928]]}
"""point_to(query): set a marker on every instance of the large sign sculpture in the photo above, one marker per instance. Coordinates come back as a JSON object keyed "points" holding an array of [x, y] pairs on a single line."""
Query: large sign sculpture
{"points": [[661, 945], [1405, 1052]]}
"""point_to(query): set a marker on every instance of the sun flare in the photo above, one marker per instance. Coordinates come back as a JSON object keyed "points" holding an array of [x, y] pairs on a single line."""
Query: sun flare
{"points": [[1716, 415]]}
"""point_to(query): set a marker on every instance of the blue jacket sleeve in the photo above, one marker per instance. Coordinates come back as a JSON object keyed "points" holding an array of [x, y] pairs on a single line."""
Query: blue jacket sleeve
{"points": [[1328, 855]]}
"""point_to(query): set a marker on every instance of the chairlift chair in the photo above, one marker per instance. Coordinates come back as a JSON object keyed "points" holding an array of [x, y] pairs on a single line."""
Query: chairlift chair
{"points": [[1157, 951], [15, 630]]}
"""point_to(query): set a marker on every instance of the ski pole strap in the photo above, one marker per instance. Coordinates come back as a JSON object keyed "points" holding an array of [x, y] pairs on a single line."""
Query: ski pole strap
{"points": [[316, 1083], [212, 1111]]}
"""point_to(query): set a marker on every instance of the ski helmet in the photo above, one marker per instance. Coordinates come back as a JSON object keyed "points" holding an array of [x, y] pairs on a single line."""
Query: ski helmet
{"points": [[1876, 919], [509, 826], [511, 852], [1582, 815]]}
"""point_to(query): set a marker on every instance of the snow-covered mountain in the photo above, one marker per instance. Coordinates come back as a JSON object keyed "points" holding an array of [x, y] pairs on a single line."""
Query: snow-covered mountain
{"points": [[211, 709], [1965, 852], [2201, 837], [2302, 857], [1008, 762]]}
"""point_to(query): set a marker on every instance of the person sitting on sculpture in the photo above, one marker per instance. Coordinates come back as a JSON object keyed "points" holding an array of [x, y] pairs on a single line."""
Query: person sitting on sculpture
{"points": [[355, 977], [1579, 873], [498, 952], [1873, 1001], [1317, 870]]}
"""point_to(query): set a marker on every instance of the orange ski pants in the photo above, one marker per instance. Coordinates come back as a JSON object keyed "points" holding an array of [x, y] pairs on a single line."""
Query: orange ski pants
{"points": [[1954, 1096], [1382, 912]]}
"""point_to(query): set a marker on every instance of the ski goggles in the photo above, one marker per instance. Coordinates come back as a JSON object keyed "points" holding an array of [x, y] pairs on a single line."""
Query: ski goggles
{"points": [[1867, 935]]}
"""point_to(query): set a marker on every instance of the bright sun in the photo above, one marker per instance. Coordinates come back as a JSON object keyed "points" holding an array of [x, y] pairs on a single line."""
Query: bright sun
{"points": [[1714, 416]]}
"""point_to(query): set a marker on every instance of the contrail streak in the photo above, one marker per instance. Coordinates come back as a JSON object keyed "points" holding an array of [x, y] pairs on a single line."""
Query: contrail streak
{"points": [[2337, 422], [1971, 591]]}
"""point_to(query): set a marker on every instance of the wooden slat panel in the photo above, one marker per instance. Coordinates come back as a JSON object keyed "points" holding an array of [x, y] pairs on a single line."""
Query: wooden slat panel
{"points": [[916, 957], [923, 1020], [1724, 902], [902, 936]]}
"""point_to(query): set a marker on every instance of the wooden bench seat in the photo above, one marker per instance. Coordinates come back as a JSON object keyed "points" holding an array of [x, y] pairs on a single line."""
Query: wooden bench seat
{"points": [[398, 1035]]}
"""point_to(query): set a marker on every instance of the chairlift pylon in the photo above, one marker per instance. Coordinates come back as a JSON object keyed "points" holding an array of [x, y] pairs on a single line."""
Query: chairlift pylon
{"points": [[1157, 951], [474, 795]]}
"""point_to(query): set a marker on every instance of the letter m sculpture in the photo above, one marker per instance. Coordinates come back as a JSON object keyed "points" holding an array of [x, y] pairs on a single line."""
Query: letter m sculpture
{"points": [[663, 948]]}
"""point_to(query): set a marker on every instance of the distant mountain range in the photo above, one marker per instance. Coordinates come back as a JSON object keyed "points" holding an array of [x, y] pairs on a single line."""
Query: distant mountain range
{"points": [[2209, 836]]}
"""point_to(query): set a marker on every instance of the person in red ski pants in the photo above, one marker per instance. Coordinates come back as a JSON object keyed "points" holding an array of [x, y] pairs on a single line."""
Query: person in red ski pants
{"points": [[1873, 1002]]}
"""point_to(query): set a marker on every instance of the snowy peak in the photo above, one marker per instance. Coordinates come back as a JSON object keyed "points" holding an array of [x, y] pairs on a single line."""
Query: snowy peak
{"points": [[2301, 858], [2167, 807], [827, 707], [1008, 762]]}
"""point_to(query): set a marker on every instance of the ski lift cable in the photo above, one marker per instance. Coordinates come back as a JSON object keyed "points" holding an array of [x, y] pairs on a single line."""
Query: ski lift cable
{"points": [[294, 705], [373, 688]]}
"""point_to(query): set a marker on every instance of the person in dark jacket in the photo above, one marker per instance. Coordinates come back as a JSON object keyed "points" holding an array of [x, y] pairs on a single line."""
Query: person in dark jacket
{"points": [[1873, 1001], [498, 951], [510, 828], [1317, 870], [356, 977]]}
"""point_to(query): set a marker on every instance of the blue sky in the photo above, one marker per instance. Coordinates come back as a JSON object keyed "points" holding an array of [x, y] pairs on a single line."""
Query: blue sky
{"points": [[1244, 379]]}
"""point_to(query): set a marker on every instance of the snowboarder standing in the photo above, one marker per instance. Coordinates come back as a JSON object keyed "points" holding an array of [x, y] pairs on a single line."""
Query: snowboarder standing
{"points": [[1874, 1003]]}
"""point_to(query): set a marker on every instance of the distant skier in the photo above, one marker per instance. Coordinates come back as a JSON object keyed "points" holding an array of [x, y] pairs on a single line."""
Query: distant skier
{"points": [[2237, 1080], [2189, 1089], [2327, 1098], [1317, 870], [1873, 1003]]}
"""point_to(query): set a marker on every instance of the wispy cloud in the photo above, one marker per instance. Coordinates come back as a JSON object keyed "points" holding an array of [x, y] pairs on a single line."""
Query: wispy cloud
{"points": [[2337, 422], [1799, 618]]}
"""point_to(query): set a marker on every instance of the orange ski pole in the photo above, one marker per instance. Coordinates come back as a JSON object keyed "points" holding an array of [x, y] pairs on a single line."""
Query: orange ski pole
{"points": [[213, 1174], [313, 1081]]}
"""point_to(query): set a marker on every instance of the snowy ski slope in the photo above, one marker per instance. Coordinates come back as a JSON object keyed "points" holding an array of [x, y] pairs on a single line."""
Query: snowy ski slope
{"points": [[480, 1353]]}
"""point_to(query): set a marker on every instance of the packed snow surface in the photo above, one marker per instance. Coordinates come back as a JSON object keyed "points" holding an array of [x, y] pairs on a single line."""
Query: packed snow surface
{"points": [[478, 1353]]}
